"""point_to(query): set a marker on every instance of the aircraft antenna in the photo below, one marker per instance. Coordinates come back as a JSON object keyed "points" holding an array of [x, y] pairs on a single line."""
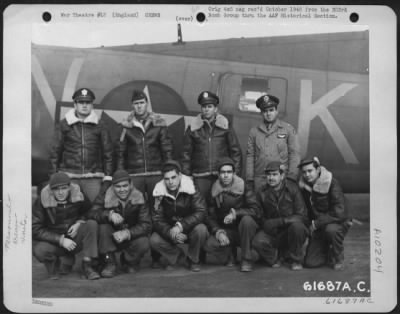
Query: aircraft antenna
{"points": [[180, 37]]}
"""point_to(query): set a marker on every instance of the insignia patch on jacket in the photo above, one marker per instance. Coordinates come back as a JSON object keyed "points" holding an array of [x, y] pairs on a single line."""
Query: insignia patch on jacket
{"points": [[281, 135]]}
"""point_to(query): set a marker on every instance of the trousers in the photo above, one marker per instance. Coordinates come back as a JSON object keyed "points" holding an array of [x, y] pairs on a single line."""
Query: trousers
{"points": [[326, 245], [133, 249], [204, 184], [240, 236], [90, 186], [171, 251], [146, 184], [86, 240], [289, 238]]}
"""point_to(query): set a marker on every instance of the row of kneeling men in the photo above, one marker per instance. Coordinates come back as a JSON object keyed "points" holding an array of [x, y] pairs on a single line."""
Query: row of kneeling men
{"points": [[301, 223]]}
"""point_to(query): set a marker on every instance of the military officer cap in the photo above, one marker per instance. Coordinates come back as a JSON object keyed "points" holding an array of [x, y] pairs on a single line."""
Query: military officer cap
{"points": [[225, 161], [273, 166], [83, 94], [207, 98], [309, 160], [137, 95], [267, 101]]}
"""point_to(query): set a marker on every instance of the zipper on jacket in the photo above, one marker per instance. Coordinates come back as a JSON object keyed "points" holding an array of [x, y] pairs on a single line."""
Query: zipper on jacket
{"points": [[83, 149], [175, 198], [122, 210], [144, 154]]}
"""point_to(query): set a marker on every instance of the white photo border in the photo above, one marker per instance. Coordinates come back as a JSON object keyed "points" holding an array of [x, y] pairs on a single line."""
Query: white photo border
{"points": [[19, 22]]}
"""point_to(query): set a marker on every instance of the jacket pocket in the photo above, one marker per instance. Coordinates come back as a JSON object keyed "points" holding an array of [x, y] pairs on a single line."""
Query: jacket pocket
{"points": [[282, 147]]}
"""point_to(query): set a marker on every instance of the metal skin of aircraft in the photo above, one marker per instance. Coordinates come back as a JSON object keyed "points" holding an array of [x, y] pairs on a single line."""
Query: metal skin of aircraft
{"points": [[321, 80]]}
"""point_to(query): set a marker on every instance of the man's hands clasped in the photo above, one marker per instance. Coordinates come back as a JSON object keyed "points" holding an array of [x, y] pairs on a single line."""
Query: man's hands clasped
{"points": [[177, 235]]}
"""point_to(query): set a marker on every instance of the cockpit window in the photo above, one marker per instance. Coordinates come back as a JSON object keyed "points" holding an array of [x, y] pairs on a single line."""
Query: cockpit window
{"points": [[252, 88]]}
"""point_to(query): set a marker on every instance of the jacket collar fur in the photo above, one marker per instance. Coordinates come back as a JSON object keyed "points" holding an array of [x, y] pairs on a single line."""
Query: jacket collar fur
{"points": [[111, 199], [220, 121], [72, 118], [322, 184], [48, 199], [186, 186], [237, 187], [152, 118]]}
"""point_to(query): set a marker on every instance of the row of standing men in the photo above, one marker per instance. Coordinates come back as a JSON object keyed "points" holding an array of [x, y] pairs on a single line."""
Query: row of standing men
{"points": [[259, 215]]}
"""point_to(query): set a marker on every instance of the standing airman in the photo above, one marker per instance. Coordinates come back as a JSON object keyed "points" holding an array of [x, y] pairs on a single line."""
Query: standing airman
{"points": [[208, 138], [271, 140], [143, 147], [82, 146]]}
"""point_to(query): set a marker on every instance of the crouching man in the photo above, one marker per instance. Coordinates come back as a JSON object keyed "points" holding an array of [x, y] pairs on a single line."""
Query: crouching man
{"points": [[329, 221], [124, 225], [232, 215], [284, 232], [59, 225], [178, 217]]}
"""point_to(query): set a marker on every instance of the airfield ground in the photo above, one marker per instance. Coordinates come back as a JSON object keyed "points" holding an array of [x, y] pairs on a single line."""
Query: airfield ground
{"points": [[215, 280]]}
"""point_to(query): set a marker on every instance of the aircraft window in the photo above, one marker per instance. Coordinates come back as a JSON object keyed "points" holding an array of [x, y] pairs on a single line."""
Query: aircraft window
{"points": [[252, 88]]}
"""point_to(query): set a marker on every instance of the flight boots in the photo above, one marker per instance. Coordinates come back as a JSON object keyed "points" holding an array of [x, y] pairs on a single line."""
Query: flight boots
{"points": [[88, 270], [246, 266], [155, 260], [110, 265], [195, 267], [66, 264], [53, 268], [231, 261], [203, 256], [127, 266]]}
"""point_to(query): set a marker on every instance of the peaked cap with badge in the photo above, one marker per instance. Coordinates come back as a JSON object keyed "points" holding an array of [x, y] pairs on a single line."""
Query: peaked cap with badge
{"points": [[83, 94], [267, 101], [207, 97]]}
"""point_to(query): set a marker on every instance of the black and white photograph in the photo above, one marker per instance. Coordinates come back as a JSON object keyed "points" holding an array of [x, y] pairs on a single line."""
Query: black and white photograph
{"points": [[207, 158]]}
